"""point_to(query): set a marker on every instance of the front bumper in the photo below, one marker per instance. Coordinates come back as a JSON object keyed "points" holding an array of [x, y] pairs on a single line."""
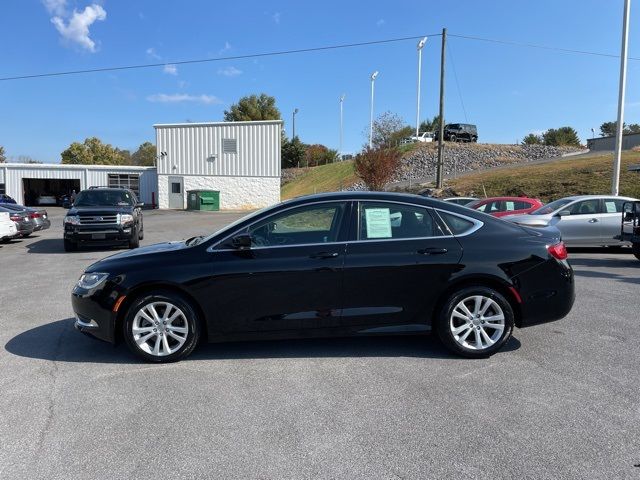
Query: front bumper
{"points": [[100, 234], [94, 314]]}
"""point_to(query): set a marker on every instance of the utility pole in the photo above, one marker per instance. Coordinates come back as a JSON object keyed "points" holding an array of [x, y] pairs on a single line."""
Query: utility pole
{"points": [[615, 181], [420, 47], [341, 123], [293, 126], [440, 165], [374, 75]]}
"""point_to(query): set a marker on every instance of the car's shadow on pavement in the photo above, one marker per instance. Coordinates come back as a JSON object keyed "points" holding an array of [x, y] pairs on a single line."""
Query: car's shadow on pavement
{"points": [[56, 245], [58, 341]]}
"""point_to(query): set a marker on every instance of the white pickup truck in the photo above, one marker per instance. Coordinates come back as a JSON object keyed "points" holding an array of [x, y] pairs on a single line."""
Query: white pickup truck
{"points": [[8, 228], [424, 137]]}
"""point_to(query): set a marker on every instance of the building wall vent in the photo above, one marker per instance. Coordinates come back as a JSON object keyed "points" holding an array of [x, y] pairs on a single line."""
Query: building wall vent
{"points": [[229, 145]]}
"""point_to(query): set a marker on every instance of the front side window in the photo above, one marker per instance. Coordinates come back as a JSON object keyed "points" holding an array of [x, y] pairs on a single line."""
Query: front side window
{"points": [[311, 224], [379, 221], [585, 207]]}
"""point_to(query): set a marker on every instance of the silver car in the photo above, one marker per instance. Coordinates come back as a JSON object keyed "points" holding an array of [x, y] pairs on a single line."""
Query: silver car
{"points": [[583, 221]]}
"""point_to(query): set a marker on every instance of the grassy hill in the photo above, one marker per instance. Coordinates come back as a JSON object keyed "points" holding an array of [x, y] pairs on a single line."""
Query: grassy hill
{"points": [[590, 175], [326, 178]]}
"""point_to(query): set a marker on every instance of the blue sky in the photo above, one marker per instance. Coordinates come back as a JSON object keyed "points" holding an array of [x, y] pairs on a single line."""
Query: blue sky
{"points": [[507, 91]]}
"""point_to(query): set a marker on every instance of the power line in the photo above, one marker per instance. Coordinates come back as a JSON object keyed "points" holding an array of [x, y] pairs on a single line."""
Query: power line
{"points": [[543, 47], [216, 59]]}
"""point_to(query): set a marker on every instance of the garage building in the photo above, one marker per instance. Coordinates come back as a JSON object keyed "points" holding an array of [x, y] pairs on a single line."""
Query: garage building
{"points": [[43, 184], [240, 160]]}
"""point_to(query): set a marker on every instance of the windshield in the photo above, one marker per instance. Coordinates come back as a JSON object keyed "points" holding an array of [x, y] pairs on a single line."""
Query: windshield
{"points": [[111, 198], [551, 207]]}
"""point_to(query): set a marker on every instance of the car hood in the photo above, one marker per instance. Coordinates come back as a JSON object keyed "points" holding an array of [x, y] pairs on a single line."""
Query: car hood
{"points": [[529, 220], [98, 210], [140, 253]]}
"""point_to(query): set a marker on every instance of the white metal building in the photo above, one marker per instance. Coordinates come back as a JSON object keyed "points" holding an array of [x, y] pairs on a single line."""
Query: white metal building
{"points": [[241, 160], [26, 182]]}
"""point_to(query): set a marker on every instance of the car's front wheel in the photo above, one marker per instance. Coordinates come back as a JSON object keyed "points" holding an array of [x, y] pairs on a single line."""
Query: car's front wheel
{"points": [[161, 327], [475, 322]]}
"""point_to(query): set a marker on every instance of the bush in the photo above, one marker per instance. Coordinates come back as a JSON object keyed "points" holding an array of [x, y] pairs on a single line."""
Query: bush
{"points": [[532, 139], [559, 137], [376, 167]]}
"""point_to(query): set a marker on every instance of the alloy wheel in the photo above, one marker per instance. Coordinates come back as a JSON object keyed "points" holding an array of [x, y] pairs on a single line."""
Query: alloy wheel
{"points": [[160, 328], [477, 322]]}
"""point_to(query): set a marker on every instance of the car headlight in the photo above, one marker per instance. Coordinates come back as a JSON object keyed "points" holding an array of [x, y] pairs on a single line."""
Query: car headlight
{"points": [[91, 280], [72, 220], [125, 218]]}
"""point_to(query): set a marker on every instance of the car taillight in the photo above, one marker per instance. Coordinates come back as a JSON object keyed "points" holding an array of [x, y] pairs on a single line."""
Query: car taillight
{"points": [[559, 251], [35, 215], [15, 218]]}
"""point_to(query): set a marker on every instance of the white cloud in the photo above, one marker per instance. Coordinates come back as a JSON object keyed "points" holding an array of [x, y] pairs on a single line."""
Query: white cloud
{"points": [[76, 30], [225, 49], [380, 22], [184, 97], [276, 17], [56, 7], [170, 69], [229, 71], [151, 52]]}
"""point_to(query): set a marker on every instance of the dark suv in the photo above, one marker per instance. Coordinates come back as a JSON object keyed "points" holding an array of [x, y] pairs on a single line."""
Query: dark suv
{"points": [[460, 132], [104, 216]]}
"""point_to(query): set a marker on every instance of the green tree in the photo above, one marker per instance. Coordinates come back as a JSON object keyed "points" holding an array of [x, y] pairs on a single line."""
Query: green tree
{"points": [[145, 156], [253, 107], [318, 155], [387, 130], [532, 139], [608, 129], [292, 152], [563, 136], [376, 166], [92, 152], [3, 157], [432, 125]]}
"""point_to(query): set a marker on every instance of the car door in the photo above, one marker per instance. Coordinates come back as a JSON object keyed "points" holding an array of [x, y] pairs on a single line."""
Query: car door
{"points": [[611, 220], [396, 265], [581, 227], [290, 279]]}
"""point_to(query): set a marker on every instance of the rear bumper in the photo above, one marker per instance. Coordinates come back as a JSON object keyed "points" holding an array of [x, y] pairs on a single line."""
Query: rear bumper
{"points": [[547, 292]]}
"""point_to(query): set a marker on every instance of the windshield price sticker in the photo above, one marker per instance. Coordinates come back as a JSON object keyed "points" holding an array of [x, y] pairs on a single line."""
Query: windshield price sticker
{"points": [[378, 222]]}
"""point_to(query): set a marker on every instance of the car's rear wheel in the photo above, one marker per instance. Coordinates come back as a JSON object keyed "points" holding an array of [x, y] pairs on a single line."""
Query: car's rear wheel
{"points": [[475, 322], [70, 246], [636, 250], [161, 327], [453, 138]]}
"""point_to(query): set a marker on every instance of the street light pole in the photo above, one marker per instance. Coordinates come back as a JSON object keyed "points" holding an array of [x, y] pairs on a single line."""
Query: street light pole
{"points": [[341, 123], [420, 46], [615, 181], [293, 123], [374, 75]]}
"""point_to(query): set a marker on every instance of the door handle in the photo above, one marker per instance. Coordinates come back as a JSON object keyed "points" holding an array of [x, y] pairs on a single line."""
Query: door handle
{"points": [[432, 251], [324, 255], [593, 220]]}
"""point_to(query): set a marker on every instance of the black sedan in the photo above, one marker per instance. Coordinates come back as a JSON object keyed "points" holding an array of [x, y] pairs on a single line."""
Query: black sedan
{"points": [[332, 265]]}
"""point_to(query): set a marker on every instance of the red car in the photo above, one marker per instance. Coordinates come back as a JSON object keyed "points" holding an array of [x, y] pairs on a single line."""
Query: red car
{"points": [[503, 206]]}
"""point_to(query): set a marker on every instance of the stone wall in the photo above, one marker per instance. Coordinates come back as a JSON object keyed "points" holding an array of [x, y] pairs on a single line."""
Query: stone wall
{"points": [[236, 193]]}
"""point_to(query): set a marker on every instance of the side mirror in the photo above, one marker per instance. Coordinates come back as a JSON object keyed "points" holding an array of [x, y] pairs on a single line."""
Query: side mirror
{"points": [[564, 213], [241, 241]]}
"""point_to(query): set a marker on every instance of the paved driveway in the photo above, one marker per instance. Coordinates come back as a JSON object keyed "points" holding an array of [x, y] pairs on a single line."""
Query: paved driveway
{"points": [[561, 401]]}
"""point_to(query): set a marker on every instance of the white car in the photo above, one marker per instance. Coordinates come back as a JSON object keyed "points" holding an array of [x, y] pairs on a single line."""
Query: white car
{"points": [[46, 200], [8, 228], [424, 137]]}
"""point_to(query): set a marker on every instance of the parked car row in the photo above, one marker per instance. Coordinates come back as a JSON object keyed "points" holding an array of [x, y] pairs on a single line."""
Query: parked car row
{"points": [[26, 220], [583, 220]]}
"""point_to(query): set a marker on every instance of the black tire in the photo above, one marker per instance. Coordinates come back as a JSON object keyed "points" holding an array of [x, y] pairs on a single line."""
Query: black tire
{"points": [[70, 246], [636, 250], [473, 139], [141, 234], [445, 322], [135, 241], [190, 319], [453, 138]]}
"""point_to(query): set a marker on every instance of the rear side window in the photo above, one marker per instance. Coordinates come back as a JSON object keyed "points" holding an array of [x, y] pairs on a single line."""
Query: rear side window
{"points": [[612, 205], [380, 221], [457, 225]]}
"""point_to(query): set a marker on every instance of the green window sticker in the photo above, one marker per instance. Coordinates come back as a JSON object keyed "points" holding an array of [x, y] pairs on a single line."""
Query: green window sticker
{"points": [[378, 222]]}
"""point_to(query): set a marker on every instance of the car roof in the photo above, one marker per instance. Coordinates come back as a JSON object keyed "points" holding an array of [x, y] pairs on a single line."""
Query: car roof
{"points": [[507, 198], [594, 197]]}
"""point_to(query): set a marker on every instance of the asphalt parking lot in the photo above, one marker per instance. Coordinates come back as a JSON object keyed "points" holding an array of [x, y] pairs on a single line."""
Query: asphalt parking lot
{"points": [[560, 401]]}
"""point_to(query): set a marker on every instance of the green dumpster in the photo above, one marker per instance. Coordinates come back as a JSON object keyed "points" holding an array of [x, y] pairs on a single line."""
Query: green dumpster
{"points": [[203, 200]]}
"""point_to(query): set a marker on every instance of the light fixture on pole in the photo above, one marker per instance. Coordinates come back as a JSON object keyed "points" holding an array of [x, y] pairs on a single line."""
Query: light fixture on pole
{"points": [[341, 123], [293, 123], [593, 133], [421, 44], [615, 181], [374, 75]]}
